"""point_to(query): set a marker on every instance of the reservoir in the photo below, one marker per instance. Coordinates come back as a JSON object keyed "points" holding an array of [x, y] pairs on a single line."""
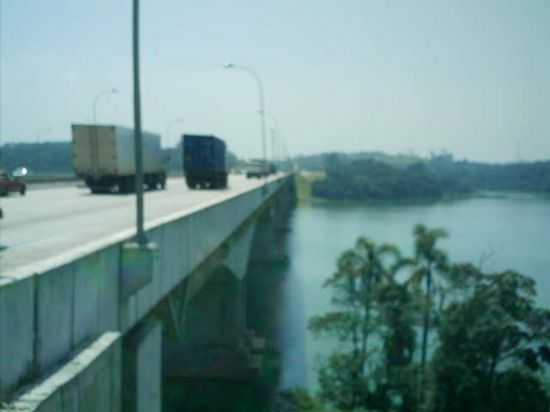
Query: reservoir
{"points": [[497, 230]]}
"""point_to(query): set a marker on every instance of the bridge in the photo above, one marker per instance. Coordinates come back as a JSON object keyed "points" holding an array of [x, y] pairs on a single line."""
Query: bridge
{"points": [[90, 322]]}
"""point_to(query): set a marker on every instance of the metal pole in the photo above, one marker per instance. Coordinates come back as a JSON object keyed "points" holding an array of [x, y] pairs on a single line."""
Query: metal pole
{"points": [[273, 134], [261, 111], [261, 102], [138, 147], [275, 138], [262, 116]]}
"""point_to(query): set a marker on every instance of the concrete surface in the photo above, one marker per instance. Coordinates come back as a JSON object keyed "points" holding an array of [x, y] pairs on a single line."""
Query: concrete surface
{"points": [[46, 223], [88, 382], [142, 369]]}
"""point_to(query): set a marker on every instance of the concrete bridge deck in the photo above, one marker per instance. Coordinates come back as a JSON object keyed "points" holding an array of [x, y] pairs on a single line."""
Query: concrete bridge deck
{"points": [[51, 223]]}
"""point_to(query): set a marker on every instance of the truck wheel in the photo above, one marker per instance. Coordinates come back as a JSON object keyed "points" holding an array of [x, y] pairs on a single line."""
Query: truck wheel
{"points": [[129, 185], [123, 186], [150, 182], [22, 191]]}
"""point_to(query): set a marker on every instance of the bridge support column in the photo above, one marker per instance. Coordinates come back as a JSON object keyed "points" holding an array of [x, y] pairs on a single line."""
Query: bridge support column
{"points": [[269, 242], [208, 316], [142, 369]]}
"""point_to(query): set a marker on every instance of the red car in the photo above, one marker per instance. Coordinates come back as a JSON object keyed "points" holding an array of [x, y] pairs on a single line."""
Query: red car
{"points": [[11, 184]]}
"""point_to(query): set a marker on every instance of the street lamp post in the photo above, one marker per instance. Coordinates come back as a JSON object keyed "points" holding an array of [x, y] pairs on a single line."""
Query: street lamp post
{"points": [[275, 137], [138, 145], [282, 151], [137, 256], [99, 96], [261, 110]]}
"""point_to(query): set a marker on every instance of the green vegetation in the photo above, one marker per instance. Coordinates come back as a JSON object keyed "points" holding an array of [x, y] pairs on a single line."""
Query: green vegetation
{"points": [[385, 179], [426, 334], [42, 158], [316, 163], [304, 183], [524, 177], [373, 180]]}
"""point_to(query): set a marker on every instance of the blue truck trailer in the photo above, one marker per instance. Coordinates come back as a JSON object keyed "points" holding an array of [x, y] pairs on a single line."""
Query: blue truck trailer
{"points": [[204, 161]]}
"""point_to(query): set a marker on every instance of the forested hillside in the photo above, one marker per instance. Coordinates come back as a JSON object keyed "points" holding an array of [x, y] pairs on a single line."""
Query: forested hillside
{"points": [[371, 179], [39, 158]]}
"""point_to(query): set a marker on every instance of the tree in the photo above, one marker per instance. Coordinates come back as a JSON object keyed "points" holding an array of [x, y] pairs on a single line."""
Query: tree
{"points": [[493, 345], [430, 261], [397, 308], [360, 273]]}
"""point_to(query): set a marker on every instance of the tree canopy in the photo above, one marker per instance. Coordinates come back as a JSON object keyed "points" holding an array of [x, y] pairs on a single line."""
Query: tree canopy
{"points": [[380, 179], [423, 333]]}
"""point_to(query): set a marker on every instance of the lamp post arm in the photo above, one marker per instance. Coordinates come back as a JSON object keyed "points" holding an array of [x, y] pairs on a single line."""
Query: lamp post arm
{"points": [[262, 105]]}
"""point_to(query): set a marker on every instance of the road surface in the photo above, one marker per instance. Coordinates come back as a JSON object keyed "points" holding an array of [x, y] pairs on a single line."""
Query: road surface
{"points": [[48, 222]]}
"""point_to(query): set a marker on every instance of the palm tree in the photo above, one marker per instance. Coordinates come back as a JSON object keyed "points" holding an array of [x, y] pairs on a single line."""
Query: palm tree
{"points": [[377, 263], [361, 271], [429, 261]]}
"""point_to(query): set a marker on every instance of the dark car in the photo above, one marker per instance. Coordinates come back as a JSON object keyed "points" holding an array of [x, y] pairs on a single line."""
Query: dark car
{"points": [[9, 183]]}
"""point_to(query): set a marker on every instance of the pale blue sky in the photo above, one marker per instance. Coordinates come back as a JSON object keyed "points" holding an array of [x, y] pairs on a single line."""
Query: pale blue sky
{"points": [[472, 77]]}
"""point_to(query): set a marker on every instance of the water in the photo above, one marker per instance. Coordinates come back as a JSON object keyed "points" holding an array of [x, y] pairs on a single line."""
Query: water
{"points": [[507, 231]]}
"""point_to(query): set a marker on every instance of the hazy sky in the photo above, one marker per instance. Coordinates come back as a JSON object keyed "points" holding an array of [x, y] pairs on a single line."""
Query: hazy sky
{"points": [[472, 77]]}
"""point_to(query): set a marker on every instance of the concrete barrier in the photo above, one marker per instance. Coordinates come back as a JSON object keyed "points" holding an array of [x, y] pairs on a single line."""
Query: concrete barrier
{"points": [[88, 382], [17, 338]]}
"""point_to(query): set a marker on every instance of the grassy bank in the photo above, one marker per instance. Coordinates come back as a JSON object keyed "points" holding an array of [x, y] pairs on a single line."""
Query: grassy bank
{"points": [[304, 181]]}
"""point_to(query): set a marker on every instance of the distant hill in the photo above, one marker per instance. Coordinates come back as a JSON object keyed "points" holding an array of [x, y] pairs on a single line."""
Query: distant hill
{"points": [[518, 176], [365, 177], [317, 162], [39, 158]]}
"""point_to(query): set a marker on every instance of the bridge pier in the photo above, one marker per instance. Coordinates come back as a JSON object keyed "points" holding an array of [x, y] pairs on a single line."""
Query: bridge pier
{"points": [[208, 316], [269, 243], [142, 369]]}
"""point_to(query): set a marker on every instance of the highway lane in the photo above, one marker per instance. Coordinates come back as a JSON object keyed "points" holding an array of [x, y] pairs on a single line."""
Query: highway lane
{"points": [[48, 222]]}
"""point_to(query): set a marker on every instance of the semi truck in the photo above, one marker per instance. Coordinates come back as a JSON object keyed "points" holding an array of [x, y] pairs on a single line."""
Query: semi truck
{"points": [[204, 161], [104, 157]]}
